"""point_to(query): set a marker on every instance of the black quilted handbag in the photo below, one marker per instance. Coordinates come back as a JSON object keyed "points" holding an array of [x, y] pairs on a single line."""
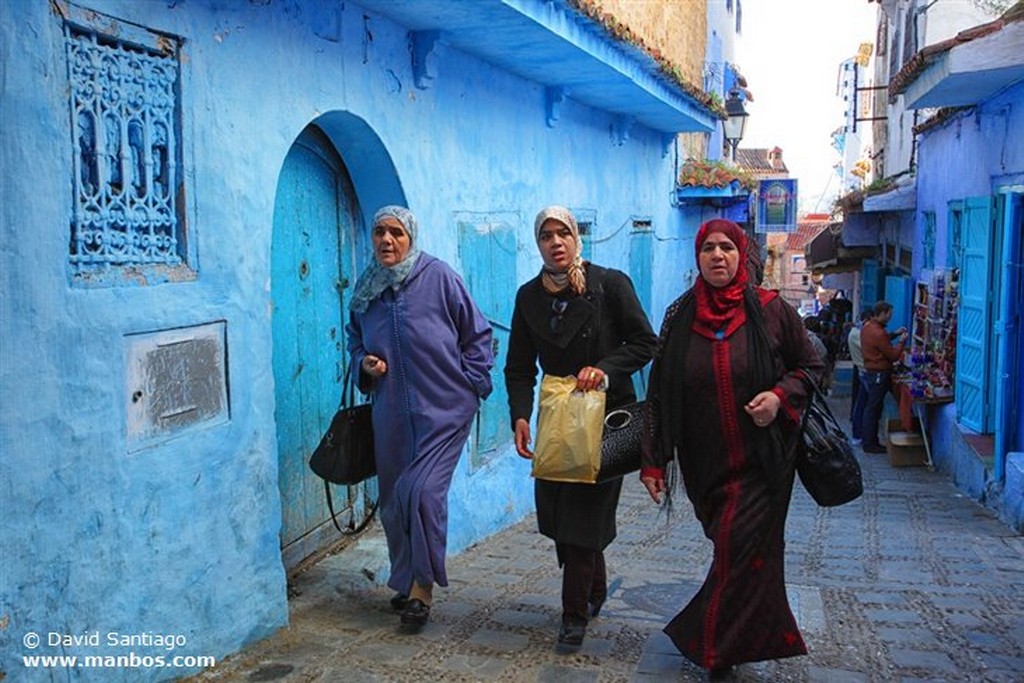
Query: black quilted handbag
{"points": [[825, 461], [620, 442]]}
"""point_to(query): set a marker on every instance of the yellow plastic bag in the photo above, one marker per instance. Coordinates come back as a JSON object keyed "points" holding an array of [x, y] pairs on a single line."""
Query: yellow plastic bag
{"points": [[569, 427]]}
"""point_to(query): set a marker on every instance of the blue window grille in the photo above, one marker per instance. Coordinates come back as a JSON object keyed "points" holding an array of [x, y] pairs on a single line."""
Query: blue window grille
{"points": [[126, 150]]}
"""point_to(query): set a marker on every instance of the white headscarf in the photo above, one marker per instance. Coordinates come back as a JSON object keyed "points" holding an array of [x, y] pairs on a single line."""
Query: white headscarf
{"points": [[574, 276], [376, 278]]}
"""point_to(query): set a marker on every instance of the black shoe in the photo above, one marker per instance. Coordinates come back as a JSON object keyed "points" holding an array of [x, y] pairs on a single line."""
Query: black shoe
{"points": [[874, 449], [415, 613], [399, 602], [722, 673], [570, 634]]}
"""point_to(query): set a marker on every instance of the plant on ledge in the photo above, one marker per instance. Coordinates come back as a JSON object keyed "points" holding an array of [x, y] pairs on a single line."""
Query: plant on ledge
{"points": [[592, 10], [709, 173]]}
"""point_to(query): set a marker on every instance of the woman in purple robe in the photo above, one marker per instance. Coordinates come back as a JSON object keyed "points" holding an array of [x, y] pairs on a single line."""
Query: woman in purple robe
{"points": [[726, 395], [423, 350]]}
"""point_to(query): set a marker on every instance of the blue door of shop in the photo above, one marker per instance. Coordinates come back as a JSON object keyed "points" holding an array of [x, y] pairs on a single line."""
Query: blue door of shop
{"points": [[975, 316], [311, 253]]}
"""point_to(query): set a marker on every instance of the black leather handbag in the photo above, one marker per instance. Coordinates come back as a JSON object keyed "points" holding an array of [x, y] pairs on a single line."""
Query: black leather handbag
{"points": [[825, 460], [345, 452], [620, 442]]}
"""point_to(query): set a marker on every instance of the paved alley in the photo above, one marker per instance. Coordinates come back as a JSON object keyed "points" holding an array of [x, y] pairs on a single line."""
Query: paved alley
{"points": [[913, 582]]}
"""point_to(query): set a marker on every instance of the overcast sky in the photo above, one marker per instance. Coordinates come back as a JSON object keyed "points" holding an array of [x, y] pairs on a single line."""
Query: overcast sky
{"points": [[789, 52]]}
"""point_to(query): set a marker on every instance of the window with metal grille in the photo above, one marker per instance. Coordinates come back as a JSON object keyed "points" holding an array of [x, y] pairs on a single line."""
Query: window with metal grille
{"points": [[125, 120]]}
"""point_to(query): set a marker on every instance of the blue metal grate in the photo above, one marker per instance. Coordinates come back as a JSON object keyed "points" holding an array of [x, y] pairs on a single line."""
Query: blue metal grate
{"points": [[125, 114]]}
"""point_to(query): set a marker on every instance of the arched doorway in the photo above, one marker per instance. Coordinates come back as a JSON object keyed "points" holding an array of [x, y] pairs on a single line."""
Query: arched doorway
{"points": [[312, 261], [335, 168]]}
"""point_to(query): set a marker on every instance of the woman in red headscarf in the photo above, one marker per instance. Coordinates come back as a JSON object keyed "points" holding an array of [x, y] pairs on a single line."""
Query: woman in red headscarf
{"points": [[725, 400]]}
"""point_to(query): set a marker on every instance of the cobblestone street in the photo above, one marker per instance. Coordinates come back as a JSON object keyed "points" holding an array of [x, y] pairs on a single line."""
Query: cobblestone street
{"points": [[913, 582]]}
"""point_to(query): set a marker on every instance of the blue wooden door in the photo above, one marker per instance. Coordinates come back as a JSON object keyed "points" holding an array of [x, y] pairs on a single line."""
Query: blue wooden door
{"points": [[487, 255], [974, 315], [313, 219], [641, 264]]}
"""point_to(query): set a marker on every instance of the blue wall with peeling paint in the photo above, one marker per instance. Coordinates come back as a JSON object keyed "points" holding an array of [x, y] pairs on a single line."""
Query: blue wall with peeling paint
{"points": [[182, 537]]}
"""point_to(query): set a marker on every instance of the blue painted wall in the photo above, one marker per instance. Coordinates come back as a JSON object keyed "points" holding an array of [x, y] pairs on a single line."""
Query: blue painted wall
{"points": [[988, 135], [182, 537]]}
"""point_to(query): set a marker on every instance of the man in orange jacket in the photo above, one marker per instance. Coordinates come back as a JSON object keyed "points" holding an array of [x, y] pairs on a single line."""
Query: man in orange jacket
{"points": [[879, 356]]}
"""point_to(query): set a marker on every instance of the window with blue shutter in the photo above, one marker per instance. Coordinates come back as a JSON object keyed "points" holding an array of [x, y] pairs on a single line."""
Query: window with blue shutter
{"points": [[487, 254], [641, 265]]}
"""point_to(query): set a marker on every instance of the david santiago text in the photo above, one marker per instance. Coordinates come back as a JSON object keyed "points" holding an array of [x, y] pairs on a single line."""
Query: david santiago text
{"points": [[114, 639]]}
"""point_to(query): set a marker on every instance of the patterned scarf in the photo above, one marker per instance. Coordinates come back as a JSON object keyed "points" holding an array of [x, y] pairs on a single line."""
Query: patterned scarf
{"points": [[720, 309], [376, 278], [574, 276]]}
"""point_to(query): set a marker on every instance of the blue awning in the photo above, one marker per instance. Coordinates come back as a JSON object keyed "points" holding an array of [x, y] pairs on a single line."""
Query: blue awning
{"points": [[551, 44]]}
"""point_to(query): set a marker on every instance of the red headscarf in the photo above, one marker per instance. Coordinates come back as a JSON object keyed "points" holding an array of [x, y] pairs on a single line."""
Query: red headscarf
{"points": [[720, 309]]}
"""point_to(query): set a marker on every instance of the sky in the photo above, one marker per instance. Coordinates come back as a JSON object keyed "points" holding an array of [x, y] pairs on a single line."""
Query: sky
{"points": [[790, 52]]}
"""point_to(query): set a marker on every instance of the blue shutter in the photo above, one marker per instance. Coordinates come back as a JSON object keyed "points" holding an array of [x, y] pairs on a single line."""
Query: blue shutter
{"points": [[974, 314], [487, 254], [869, 283], [899, 292], [641, 255]]}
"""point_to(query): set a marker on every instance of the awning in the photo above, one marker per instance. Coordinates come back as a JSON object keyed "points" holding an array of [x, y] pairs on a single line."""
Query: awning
{"points": [[551, 44], [826, 253], [902, 197], [969, 70]]}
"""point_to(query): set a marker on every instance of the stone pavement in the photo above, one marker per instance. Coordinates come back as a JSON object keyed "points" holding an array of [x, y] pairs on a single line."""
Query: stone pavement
{"points": [[912, 582]]}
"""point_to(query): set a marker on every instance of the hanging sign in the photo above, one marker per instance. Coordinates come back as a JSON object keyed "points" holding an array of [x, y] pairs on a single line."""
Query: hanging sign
{"points": [[776, 205]]}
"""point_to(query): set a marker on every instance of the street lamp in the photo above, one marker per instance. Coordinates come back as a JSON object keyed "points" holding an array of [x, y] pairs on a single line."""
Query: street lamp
{"points": [[733, 126]]}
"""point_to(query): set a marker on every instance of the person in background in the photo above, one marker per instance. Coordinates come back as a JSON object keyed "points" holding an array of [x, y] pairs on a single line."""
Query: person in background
{"points": [[727, 391], [423, 350], [813, 326], [879, 356], [858, 394], [576, 319]]}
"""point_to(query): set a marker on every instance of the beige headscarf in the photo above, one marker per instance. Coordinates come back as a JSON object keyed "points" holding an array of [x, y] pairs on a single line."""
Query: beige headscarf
{"points": [[574, 276]]}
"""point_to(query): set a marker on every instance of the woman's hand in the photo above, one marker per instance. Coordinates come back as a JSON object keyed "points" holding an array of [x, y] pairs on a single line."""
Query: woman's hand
{"points": [[655, 487], [763, 408], [589, 378], [373, 366], [523, 439]]}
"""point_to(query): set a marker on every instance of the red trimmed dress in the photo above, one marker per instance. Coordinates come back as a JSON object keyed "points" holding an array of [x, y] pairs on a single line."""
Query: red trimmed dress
{"points": [[741, 612]]}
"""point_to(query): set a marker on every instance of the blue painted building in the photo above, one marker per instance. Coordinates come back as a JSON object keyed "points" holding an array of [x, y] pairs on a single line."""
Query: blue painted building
{"points": [[945, 230], [186, 189], [969, 217]]}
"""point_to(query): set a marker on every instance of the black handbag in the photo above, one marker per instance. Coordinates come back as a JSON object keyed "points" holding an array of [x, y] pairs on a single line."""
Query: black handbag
{"points": [[345, 454], [620, 442], [825, 460]]}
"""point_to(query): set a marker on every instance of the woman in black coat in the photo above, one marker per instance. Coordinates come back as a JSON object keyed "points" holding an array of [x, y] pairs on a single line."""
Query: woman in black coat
{"points": [[579, 320]]}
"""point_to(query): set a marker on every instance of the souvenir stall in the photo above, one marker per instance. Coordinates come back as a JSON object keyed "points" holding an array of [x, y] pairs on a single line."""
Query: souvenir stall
{"points": [[925, 375]]}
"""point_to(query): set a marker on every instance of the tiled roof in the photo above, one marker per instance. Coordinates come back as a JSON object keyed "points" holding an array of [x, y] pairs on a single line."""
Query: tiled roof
{"points": [[696, 173], [755, 160], [807, 230]]}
